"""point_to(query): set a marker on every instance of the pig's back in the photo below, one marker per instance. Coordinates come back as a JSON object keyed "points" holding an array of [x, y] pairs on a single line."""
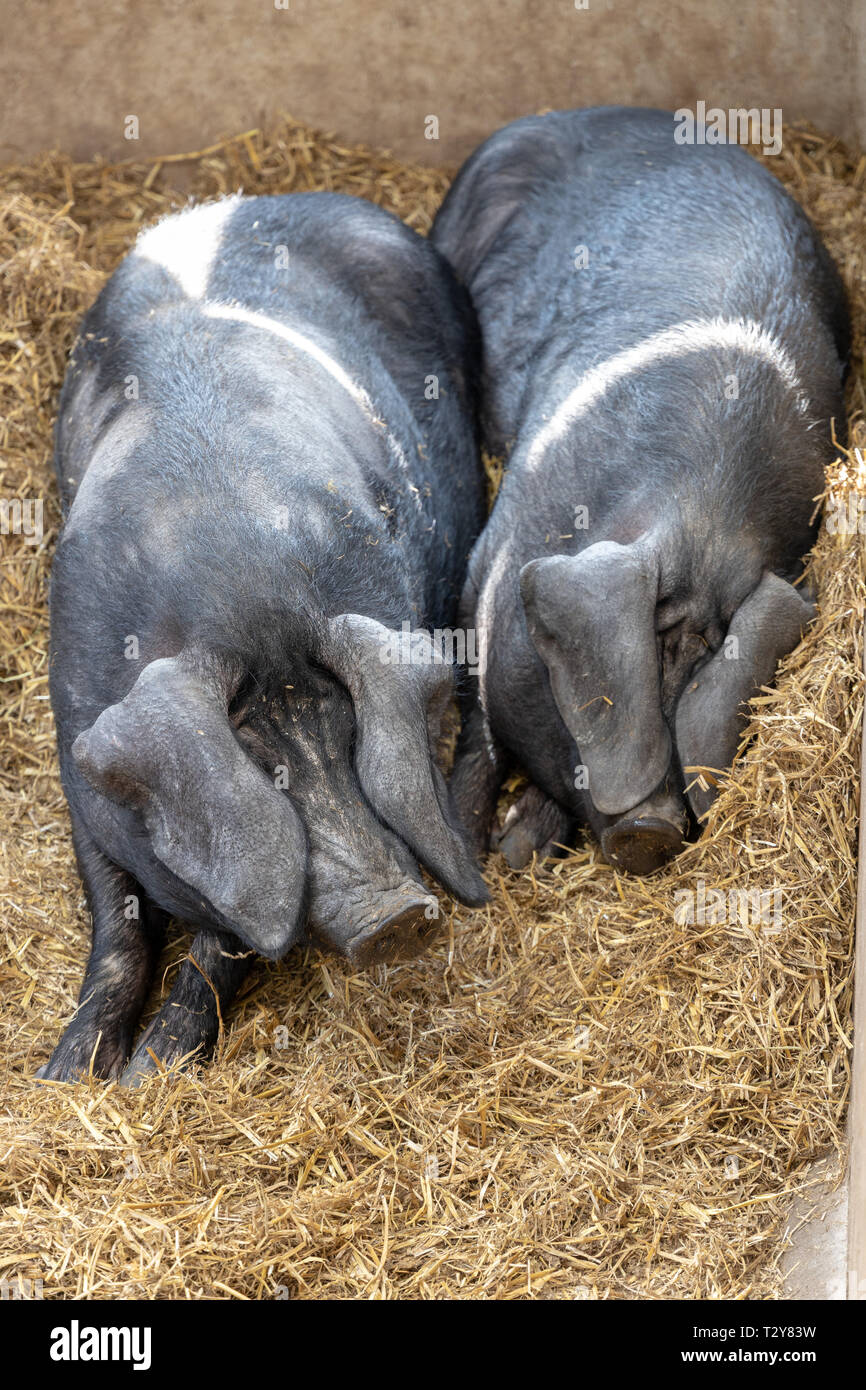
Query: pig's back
{"points": [[580, 234], [290, 335], [250, 383], [294, 300]]}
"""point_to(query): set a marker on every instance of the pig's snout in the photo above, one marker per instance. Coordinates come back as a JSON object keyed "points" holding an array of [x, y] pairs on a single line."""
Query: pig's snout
{"points": [[401, 935], [393, 926], [648, 836]]}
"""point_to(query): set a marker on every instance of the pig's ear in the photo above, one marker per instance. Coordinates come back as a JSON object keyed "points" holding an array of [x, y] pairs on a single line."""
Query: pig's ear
{"points": [[214, 819], [399, 690], [591, 618], [710, 718]]}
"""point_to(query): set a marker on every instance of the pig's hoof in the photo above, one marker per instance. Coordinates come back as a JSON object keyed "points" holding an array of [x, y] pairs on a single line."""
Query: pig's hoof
{"points": [[71, 1059], [165, 1044], [641, 845], [143, 1065], [516, 846], [534, 824], [402, 936], [141, 1068]]}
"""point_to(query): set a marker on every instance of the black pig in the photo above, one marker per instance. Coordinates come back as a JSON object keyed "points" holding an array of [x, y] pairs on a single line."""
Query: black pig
{"points": [[267, 461], [663, 348]]}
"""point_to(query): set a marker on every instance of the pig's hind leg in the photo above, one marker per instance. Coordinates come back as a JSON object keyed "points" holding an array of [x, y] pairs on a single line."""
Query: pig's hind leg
{"points": [[535, 824], [479, 766], [188, 1024], [127, 935]]}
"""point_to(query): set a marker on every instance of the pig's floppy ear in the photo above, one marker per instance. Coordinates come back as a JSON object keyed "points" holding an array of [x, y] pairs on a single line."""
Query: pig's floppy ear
{"points": [[591, 618], [213, 817], [399, 689], [709, 719]]}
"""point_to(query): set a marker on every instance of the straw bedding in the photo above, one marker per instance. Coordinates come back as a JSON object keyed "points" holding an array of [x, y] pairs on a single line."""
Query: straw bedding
{"points": [[573, 1095]]}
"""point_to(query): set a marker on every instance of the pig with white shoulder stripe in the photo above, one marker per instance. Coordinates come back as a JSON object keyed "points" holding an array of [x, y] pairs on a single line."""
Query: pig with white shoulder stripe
{"points": [[664, 341], [268, 465]]}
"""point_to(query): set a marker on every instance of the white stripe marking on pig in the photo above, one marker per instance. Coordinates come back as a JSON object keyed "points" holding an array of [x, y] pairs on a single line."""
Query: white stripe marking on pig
{"points": [[186, 243], [681, 339], [236, 313], [484, 624]]}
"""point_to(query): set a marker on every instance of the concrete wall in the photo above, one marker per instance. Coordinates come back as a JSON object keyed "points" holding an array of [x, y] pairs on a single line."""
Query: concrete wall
{"points": [[192, 70]]}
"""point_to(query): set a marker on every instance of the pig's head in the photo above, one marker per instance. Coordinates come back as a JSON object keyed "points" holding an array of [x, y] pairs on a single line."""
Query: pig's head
{"points": [[355, 740], [272, 811], [650, 654]]}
